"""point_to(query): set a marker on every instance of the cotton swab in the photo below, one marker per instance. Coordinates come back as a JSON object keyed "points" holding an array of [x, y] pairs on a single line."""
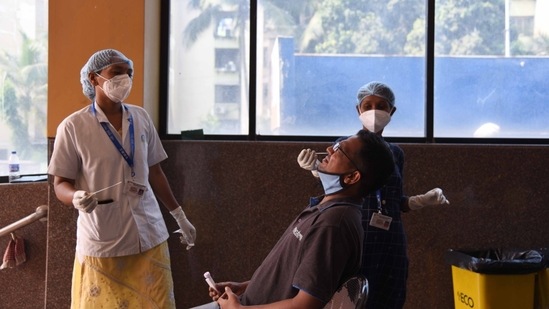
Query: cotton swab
{"points": [[101, 190]]}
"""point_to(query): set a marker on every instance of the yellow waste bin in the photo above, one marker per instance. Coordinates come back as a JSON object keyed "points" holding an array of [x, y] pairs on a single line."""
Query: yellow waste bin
{"points": [[541, 300], [482, 291], [494, 279]]}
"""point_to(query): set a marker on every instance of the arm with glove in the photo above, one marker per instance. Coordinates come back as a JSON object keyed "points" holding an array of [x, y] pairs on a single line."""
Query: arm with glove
{"points": [[162, 189], [84, 201], [68, 195], [308, 160], [433, 197], [187, 230]]}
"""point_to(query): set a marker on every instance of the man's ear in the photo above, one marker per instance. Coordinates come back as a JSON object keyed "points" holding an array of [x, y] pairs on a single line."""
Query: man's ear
{"points": [[352, 178], [394, 110]]}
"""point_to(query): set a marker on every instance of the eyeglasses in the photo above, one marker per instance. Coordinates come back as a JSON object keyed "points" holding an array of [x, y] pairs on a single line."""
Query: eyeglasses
{"points": [[337, 147]]}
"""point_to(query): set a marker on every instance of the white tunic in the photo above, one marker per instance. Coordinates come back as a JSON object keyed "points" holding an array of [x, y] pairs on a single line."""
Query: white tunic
{"points": [[84, 152]]}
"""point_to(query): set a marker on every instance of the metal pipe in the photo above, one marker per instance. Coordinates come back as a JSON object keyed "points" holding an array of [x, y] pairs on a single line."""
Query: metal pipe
{"points": [[41, 212]]}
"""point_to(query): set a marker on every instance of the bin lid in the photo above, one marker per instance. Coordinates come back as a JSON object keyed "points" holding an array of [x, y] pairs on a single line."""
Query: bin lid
{"points": [[496, 261]]}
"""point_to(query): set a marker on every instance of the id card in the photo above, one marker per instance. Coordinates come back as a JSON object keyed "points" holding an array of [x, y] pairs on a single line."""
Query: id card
{"points": [[381, 221], [135, 189]]}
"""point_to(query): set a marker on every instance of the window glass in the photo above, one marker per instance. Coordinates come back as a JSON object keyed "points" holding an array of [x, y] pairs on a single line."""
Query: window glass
{"points": [[316, 54], [491, 69], [209, 66], [23, 84], [311, 58], [491, 58]]}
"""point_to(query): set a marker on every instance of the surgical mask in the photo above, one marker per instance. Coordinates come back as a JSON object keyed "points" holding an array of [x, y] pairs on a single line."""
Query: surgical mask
{"points": [[375, 120], [117, 88], [330, 182]]}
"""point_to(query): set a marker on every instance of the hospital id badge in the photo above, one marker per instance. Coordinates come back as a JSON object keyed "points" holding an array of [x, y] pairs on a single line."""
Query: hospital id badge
{"points": [[381, 221], [135, 189]]}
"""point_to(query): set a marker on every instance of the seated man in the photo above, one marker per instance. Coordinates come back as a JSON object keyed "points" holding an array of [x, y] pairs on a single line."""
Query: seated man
{"points": [[322, 247]]}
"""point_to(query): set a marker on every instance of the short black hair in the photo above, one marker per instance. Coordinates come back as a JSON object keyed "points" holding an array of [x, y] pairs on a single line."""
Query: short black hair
{"points": [[376, 161]]}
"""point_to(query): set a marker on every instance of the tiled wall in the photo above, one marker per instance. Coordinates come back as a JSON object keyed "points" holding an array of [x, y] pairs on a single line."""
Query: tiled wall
{"points": [[23, 286], [241, 195]]}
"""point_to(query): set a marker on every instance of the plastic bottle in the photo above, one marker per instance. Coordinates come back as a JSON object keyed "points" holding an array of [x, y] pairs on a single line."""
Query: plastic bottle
{"points": [[13, 163]]}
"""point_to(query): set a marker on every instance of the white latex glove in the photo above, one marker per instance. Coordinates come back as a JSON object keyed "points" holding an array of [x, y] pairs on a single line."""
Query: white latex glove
{"points": [[433, 197], [187, 230], [308, 159], [84, 201]]}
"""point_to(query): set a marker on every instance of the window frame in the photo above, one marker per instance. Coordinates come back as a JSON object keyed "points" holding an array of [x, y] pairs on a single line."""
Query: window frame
{"points": [[429, 137], [39, 24]]}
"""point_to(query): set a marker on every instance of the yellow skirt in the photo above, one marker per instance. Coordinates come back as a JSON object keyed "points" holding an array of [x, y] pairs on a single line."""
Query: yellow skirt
{"points": [[136, 281]]}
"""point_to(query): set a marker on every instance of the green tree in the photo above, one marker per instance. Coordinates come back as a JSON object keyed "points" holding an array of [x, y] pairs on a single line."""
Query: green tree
{"points": [[415, 40], [470, 27], [531, 45], [212, 12], [290, 18], [282, 17], [24, 96], [362, 26]]}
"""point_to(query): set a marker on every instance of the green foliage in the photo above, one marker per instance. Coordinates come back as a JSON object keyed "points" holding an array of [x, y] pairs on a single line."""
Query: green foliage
{"points": [[24, 96], [362, 26], [211, 11], [385, 27], [397, 27], [14, 117], [531, 46], [415, 40], [467, 27]]}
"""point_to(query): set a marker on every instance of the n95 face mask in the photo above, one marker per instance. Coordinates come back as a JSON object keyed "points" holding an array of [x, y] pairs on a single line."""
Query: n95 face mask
{"points": [[117, 88], [375, 120]]}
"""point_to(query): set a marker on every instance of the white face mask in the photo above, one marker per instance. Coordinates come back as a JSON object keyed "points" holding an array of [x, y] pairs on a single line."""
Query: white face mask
{"points": [[375, 120], [117, 88]]}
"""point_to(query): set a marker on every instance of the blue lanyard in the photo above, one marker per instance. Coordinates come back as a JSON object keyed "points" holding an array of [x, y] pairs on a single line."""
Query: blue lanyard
{"points": [[378, 196], [114, 140]]}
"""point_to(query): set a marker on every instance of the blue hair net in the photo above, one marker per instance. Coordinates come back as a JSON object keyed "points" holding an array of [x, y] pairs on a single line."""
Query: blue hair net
{"points": [[379, 90], [98, 62]]}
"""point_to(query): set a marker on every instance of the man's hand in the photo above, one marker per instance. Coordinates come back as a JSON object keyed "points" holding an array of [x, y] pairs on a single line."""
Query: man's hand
{"points": [[236, 287], [84, 201], [229, 300], [433, 197]]}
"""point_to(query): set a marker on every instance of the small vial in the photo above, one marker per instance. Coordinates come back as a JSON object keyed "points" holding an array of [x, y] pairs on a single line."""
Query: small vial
{"points": [[13, 164]]}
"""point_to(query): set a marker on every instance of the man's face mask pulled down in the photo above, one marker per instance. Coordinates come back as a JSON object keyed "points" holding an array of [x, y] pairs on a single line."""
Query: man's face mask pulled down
{"points": [[375, 120], [332, 183], [117, 88]]}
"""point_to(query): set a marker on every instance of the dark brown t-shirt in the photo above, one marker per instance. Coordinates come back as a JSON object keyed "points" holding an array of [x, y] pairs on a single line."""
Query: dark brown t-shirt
{"points": [[316, 254]]}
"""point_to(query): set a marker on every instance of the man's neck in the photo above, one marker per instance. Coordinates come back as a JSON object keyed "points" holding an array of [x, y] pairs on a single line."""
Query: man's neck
{"points": [[342, 195]]}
